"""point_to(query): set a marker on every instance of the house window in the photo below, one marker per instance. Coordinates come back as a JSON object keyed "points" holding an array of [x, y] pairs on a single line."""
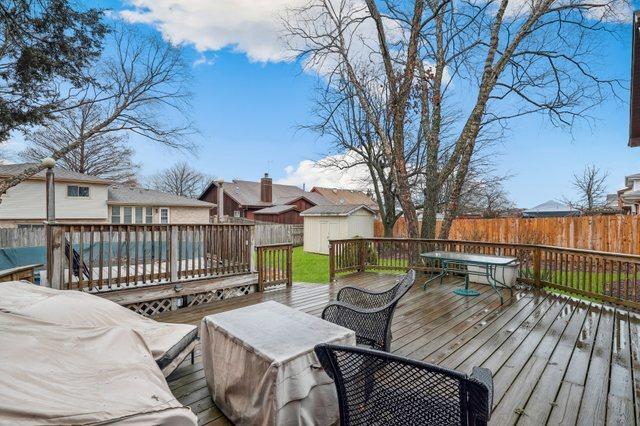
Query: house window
{"points": [[138, 214], [115, 214], [149, 215], [236, 213], [77, 191], [127, 215], [164, 216]]}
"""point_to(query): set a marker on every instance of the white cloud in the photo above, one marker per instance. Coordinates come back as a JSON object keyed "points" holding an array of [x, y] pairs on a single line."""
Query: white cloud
{"points": [[248, 26], [313, 173]]}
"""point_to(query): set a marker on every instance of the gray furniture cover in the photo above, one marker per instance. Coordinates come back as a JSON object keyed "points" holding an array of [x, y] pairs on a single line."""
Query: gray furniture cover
{"points": [[169, 343], [261, 368], [62, 375]]}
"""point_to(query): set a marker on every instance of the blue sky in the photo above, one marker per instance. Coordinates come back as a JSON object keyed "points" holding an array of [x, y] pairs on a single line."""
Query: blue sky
{"points": [[248, 111]]}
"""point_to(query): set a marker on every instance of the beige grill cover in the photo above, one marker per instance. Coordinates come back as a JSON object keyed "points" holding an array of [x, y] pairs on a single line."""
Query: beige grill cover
{"points": [[75, 308], [261, 369], [52, 374]]}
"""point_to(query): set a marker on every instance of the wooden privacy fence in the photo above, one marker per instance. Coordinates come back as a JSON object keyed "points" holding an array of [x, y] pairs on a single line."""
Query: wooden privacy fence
{"points": [[274, 264], [610, 233], [107, 257], [22, 237], [603, 276], [279, 233]]}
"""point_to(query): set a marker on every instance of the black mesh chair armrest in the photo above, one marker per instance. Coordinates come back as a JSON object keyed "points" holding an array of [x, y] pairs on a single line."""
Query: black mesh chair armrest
{"points": [[365, 298], [482, 392], [370, 325]]}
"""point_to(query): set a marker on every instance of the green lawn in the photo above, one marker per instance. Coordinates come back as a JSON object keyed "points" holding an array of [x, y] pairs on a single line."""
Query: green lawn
{"points": [[310, 267]]}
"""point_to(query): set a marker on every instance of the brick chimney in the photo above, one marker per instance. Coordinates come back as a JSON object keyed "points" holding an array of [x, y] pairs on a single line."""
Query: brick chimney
{"points": [[266, 189]]}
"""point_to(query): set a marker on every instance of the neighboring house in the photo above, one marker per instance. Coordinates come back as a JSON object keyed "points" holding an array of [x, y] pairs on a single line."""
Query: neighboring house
{"points": [[81, 198], [551, 208], [334, 222], [629, 196], [262, 201], [346, 196], [130, 204]]}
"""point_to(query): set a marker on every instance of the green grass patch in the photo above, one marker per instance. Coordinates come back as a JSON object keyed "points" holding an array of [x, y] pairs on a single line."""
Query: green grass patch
{"points": [[310, 267]]}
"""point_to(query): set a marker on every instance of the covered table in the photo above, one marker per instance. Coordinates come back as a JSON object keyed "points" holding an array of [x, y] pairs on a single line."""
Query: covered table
{"points": [[169, 343], [61, 375], [261, 369]]}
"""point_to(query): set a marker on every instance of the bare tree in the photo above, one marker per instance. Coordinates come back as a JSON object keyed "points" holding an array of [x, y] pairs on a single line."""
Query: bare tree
{"points": [[180, 179], [591, 190], [105, 155], [510, 59], [135, 87], [342, 120]]}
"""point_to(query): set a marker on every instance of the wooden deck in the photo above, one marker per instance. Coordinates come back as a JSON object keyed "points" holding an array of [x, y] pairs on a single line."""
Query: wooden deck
{"points": [[554, 359]]}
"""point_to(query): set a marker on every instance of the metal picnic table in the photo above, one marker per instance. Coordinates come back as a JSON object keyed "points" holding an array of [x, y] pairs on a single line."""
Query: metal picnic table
{"points": [[458, 263]]}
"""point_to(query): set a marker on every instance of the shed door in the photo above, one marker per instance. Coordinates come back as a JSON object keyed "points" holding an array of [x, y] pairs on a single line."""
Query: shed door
{"points": [[329, 230]]}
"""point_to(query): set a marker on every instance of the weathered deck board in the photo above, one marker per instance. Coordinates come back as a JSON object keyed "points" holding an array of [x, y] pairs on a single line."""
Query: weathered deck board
{"points": [[554, 359]]}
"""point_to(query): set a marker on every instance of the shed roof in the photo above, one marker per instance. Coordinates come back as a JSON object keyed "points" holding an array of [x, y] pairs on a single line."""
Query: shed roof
{"points": [[336, 210], [129, 195], [59, 174], [346, 196]]}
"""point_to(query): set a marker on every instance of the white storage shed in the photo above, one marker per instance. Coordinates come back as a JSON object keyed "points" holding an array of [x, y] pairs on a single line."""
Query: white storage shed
{"points": [[335, 222]]}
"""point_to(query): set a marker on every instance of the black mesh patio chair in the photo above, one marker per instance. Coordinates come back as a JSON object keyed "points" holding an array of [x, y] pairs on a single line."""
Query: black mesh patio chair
{"points": [[378, 388], [368, 313]]}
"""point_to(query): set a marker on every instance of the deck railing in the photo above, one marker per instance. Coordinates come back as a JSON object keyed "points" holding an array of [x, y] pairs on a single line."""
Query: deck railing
{"points": [[106, 257], [274, 265], [603, 276]]}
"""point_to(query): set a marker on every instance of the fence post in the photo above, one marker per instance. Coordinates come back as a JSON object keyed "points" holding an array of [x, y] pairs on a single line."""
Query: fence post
{"points": [[536, 266], [173, 254], [332, 262]]}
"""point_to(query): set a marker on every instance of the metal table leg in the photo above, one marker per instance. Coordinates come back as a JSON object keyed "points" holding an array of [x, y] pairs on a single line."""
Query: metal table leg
{"points": [[466, 291]]}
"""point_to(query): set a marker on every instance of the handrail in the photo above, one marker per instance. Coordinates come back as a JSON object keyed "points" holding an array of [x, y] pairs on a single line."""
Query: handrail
{"points": [[603, 276], [102, 257]]}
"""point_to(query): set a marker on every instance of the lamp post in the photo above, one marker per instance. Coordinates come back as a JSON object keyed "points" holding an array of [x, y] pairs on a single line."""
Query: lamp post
{"points": [[49, 163]]}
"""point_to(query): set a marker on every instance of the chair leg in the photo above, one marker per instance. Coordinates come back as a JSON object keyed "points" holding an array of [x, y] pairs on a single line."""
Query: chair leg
{"points": [[193, 357]]}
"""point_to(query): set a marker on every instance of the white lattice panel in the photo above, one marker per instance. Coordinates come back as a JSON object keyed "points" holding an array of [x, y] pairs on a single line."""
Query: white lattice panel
{"points": [[151, 307], [221, 294]]}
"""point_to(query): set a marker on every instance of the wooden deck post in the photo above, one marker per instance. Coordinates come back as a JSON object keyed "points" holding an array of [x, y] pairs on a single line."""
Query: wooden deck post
{"points": [[536, 267], [173, 260], [289, 265], [252, 249], [259, 254], [55, 249], [361, 254], [332, 262]]}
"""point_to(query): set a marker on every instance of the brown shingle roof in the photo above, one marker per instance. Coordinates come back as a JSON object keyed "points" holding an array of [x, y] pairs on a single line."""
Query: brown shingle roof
{"points": [[247, 193], [345, 196]]}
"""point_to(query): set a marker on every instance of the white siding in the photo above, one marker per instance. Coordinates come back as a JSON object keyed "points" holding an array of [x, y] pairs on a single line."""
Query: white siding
{"points": [[318, 230], [27, 201], [360, 224]]}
